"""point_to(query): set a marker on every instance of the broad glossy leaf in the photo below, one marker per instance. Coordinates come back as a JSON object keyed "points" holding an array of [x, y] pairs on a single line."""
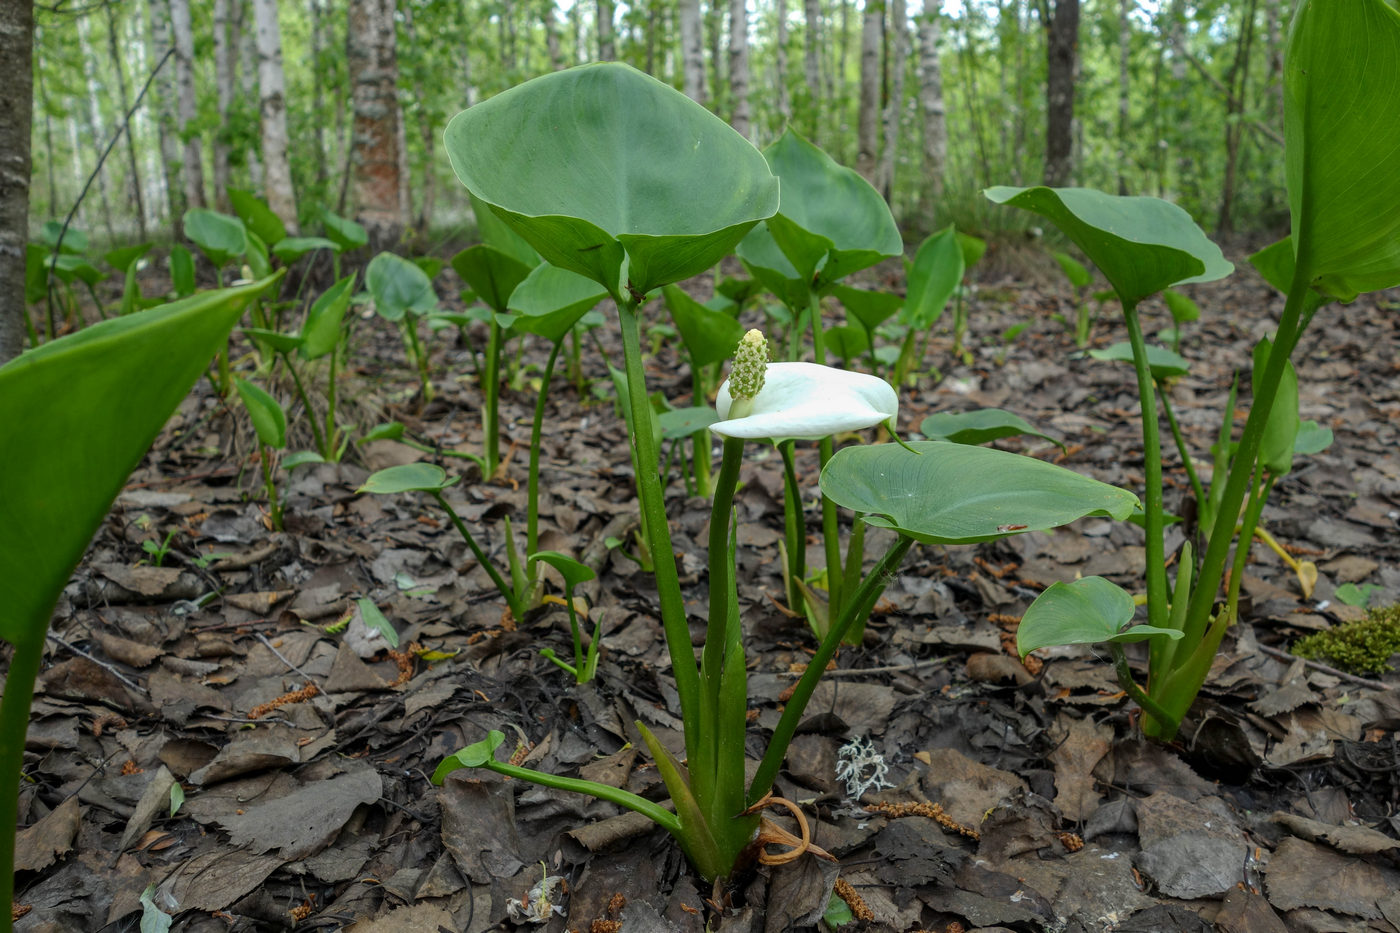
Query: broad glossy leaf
{"points": [[933, 277], [122, 257], [709, 336], [1161, 362], [491, 273], [269, 420], [290, 249], [1276, 263], [1313, 438], [70, 267], [399, 287], [1074, 270], [1281, 431], [869, 308], [497, 233], [473, 756], [182, 270], [571, 570], [223, 238], [257, 216], [978, 427], [1182, 308], [601, 161], [321, 332], [1141, 245], [1341, 107], [942, 493], [74, 240], [408, 477], [552, 300], [76, 416], [764, 259], [846, 342], [1086, 612], [256, 259], [738, 291], [831, 222], [346, 234], [683, 422]]}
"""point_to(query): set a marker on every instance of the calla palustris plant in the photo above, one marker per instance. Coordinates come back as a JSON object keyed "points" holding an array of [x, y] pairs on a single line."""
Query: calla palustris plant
{"points": [[403, 293], [617, 177], [76, 416], [1341, 68]]}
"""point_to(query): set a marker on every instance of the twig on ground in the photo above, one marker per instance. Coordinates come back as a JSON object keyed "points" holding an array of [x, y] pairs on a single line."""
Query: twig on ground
{"points": [[283, 658], [1325, 668], [109, 668]]}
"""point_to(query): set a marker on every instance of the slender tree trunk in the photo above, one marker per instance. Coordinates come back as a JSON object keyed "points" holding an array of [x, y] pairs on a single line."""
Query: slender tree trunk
{"points": [[838, 87], [223, 86], [692, 50], [653, 26], [894, 106], [426, 136], [187, 106], [113, 49], [714, 29], [50, 161], [739, 68], [1237, 83], [1180, 109], [92, 117], [272, 82], [935, 127], [868, 118], [1062, 67], [318, 98], [371, 54], [16, 114], [780, 64], [158, 16], [248, 83], [551, 35], [1125, 40], [811, 66], [607, 48]]}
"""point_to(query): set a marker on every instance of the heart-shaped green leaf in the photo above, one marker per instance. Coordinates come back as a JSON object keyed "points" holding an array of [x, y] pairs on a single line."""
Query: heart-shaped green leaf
{"points": [[269, 420], [709, 336], [491, 273], [830, 221], [399, 287], [1141, 245], [301, 458], [321, 331], [765, 261], [1341, 107], [933, 277], [74, 240], [473, 756], [870, 309], [571, 570], [683, 422], [122, 257], [497, 233], [1074, 270], [599, 163], [1182, 308], [1312, 438], [551, 301], [257, 216], [290, 249], [1086, 612], [1161, 362], [408, 477], [847, 342], [941, 493], [344, 233], [223, 238], [76, 416], [979, 427]]}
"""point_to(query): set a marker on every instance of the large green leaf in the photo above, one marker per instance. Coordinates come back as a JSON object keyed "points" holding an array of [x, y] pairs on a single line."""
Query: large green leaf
{"points": [[496, 232], [1141, 245], [709, 336], [979, 427], [399, 287], [933, 276], [346, 234], [491, 273], [408, 477], [1086, 612], [941, 493], [764, 259], [831, 221], [599, 163], [290, 249], [321, 332], [869, 308], [551, 301], [1341, 111], [76, 416], [257, 216], [223, 238]]}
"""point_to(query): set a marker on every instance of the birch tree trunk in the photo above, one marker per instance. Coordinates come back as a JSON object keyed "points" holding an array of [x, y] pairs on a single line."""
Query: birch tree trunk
{"points": [[223, 88], [92, 115], [935, 126], [114, 51], [868, 117], [318, 97], [371, 55], [1125, 38], [894, 107], [692, 50], [780, 64], [1062, 67], [739, 67], [248, 85], [186, 105], [607, 49], [16, 113], [272, 83], [158, 18], [714, 28], [551, 35], [811, 66]]}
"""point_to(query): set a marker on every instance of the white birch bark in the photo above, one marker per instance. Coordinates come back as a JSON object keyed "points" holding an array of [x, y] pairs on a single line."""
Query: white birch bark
{"points": [[272, 84], [780, 64], [16, 114], [739, 68], [692, 50], [811, 66], [894, 107], [931, 110], [376, 166], [223, 89], [868, 116], [607, 50], [158, 18], [248, 82], [186, 105]]}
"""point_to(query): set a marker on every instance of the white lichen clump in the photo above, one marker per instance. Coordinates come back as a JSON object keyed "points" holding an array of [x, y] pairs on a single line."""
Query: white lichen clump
{"points": [[861, 767]]}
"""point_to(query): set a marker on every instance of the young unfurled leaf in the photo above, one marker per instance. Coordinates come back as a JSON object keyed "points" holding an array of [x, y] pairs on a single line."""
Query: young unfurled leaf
{"points": [[269, 420], [473, 756], [374, 621], [1085, 612], [408, 477]]}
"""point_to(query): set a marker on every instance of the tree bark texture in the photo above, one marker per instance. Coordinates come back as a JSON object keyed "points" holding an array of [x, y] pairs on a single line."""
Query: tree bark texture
{"points": [[607, 48], [1062, 67], [811, 66], [158, 17], [272, 83], [868, 117], [186, 104], [16, 112], [371, 54], [1125, 47], [780, 64], [692, 50], [223, 89], [894, 105], [248, 84], [137, 195], [933, 114], [92, 115], [739, 68]]}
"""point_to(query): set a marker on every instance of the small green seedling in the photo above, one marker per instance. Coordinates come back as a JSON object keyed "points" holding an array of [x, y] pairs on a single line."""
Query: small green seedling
{"points": [[585, 662]]}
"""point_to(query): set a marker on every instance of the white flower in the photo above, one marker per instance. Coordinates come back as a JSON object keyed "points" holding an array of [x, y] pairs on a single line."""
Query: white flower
{"points": [[807, 401]]}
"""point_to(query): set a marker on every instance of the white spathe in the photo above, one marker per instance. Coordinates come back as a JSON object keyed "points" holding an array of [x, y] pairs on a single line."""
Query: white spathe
{"points": [[808, 401]]}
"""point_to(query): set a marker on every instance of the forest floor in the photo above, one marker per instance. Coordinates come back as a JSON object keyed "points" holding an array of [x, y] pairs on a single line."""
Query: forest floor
{"points": [[1278, 807]]}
